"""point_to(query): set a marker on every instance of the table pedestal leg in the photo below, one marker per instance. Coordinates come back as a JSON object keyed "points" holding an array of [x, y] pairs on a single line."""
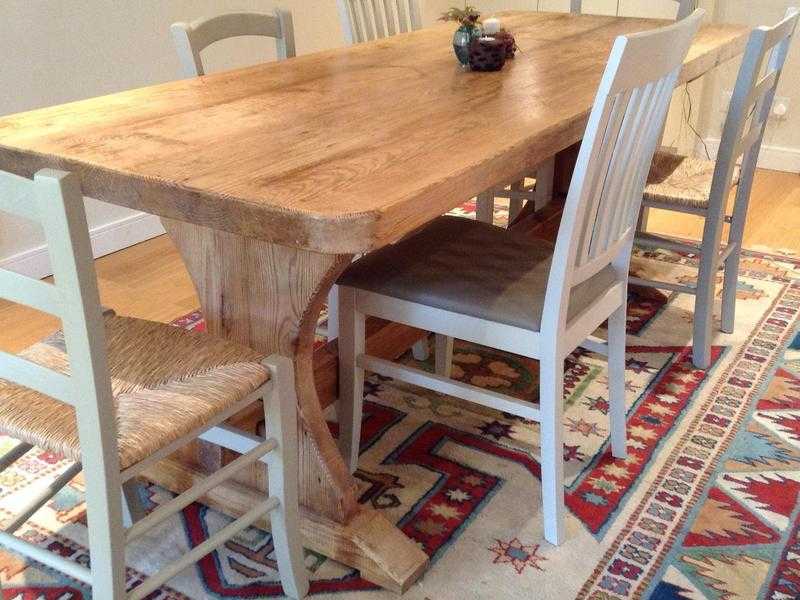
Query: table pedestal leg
{"points": [[269, 297]]}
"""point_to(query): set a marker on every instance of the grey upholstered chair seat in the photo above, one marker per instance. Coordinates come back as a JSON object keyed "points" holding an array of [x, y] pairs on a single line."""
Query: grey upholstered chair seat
{"points": [[472, 268]]}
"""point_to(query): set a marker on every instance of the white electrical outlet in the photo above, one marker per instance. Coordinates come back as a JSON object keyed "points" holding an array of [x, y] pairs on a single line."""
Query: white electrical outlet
{"points": [[780, 108]]}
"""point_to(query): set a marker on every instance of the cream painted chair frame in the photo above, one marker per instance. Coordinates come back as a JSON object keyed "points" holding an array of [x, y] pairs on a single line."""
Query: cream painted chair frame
{"points": [[192, 38], [685, 7], [752, 100], [596, 231], [54, 200], [367, 20], [364, 21]]}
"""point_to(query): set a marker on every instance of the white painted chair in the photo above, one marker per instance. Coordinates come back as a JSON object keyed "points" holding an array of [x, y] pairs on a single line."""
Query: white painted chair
{"points": [[685, 7], [702, 188], [192, 38], [366, 20], [476, 282], [115, 395], [541, 193]]}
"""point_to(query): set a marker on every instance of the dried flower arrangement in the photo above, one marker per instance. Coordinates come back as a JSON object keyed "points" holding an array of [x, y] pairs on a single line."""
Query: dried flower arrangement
{"points": [[469, 16]]}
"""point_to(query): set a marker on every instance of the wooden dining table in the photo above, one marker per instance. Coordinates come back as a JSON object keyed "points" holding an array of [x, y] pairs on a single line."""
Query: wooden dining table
{"points": [[270, 179]]}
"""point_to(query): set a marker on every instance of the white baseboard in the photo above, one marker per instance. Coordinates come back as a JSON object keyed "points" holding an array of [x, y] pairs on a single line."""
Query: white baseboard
{"points": [[775, 158], [106, 238]]}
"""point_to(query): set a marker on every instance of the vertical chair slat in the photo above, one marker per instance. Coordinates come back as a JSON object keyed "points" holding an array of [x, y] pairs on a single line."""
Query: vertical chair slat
{"points": [[378, 15], [366, 20], [391, 22]]}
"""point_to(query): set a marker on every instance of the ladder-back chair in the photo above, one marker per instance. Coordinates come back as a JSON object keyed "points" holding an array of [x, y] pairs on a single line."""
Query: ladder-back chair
{"points": [[473, 281], [115, 395], [192, 38], [701, 187]]}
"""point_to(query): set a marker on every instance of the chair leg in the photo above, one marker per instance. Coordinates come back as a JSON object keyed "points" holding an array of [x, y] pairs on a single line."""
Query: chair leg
{"points": [[543, 192], [730, 283], [644, 215], [444, 355], [551, 383], [132, 507], [616, 381], [333, 313], [106, 533], [420, 350], [704, 299], [514, 208], [484, 207], [351, 376], [280, 413]]}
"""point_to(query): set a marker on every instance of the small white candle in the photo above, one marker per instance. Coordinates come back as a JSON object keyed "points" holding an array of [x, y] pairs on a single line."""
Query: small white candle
{"points": [[491, 26]]}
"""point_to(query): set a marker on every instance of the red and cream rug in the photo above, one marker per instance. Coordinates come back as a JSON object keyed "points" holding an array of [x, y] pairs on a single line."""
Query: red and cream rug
{"points": [[707, 505]]}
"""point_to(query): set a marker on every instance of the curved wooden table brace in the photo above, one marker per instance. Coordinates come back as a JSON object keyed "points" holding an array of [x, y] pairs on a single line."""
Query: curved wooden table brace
{"points": [[269, 297]]}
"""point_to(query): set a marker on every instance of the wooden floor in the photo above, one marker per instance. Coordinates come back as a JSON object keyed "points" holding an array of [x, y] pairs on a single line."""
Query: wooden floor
{"points": [[149, 280]]}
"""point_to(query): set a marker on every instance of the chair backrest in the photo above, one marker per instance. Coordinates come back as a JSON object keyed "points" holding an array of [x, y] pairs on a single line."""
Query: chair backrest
{"points": [[54, 200], [685, 7], [599, 220], [365, 20], [192, 38], [749, 110]]}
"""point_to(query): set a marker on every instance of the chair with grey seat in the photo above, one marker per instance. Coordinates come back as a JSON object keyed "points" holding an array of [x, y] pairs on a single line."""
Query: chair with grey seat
{"points": [[702, 187], [484, 284]]}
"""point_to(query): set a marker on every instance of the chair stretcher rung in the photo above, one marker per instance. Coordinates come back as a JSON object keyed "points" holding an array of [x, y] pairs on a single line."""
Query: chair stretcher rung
{"points": [[448, 386], [691, 210], [36, 377], [596, 345], [186, 498], [515, 194], [42, 497], [199, 551], [40, 295], [663, 285], [46, 557], [649, 240], [726, 252], [13, 455]]}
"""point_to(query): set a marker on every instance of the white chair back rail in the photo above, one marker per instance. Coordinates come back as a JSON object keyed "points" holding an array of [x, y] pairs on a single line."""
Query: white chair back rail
{"points": [[53, 200], [749, 110], [605, 194], [192, 38], [685, 7], [366, 20]]}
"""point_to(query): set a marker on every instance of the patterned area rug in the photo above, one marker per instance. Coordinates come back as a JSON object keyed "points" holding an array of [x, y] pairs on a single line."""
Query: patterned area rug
{"points": [[706, 505]]}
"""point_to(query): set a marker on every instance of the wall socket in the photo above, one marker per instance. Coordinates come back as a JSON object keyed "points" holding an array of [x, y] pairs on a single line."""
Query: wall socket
{"points": [[780, 107]]}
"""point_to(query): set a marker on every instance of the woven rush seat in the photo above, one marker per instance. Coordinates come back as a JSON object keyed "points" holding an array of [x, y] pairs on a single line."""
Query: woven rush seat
{"points": [[472, 268], [681, 180], [166, 382]]}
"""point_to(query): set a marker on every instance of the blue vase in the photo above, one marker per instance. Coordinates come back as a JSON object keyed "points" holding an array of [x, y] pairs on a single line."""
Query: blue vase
{"points": [[462, 39]]}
